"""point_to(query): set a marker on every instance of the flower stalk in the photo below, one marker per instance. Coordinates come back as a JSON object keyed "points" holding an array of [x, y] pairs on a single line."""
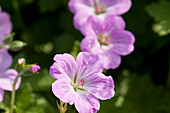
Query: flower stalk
{"points": [[13, 94], [62, 107]]}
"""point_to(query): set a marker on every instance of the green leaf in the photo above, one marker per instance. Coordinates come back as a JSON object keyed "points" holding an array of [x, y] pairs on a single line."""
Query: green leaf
{"points": [[29, 102], [160, 12], [137, 94]]}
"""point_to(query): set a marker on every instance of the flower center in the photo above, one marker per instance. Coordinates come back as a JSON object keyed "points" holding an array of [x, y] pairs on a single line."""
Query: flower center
{"points": [[99, 9], [104, 39], [78, 84]]}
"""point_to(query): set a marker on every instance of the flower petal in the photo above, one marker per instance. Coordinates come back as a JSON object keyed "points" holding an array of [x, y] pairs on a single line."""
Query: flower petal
{"points": [[90, 44], [122, 36], [122, 42], [81, 17], [64, 91], [100, 86], [110, 59], [123, 49], [5, 59], [64, 67], [5, 25], [112, 22], [1, 95], [78, 5], [7, 79], [86, 103], [88, 64], [119, 7]]}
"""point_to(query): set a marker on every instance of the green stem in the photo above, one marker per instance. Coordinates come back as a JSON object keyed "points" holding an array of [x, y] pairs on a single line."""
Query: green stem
{"points": [[62, 107], [13, 94]]}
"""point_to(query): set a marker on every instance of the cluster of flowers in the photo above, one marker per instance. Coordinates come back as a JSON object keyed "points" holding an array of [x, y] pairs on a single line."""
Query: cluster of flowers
{"points": [[10, 77], [81, 82]]}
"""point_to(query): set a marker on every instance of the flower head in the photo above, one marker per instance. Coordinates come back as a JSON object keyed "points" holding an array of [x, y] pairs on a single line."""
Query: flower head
{"points": [[81, 82], [35, 68], [83, 9], [107, 39]]}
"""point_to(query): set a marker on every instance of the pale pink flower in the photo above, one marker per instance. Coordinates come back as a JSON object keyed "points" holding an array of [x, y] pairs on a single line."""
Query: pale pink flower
{"points": [[81, 82]]}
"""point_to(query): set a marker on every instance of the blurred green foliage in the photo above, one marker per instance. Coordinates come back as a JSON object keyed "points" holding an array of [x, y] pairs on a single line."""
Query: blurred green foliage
{"points": [[160, 12], [140, 81]]}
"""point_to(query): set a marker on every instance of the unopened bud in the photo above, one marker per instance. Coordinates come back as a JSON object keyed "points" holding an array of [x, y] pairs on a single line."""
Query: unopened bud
{"points": [[35, 68], [21, 61], [20, 65], [17, 45]]}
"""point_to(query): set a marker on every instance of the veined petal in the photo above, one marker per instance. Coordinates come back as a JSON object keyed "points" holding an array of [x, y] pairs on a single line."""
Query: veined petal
{"points": [[86, 103], [5, 59], [90, 44], [81, 17], [112, 22], [110, 59], [78, 5], [119, 7], [7, 79], [5, 25], [123, 49], [64, 67], [87, 29], [88, 64], [122, 42], [122, 37], [1, 95], [64, 91], [96, 24], [100, 86], [108, 3]]}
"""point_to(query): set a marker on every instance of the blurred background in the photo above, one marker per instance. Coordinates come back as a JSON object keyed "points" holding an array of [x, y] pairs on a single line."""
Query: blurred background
{"points": [[142, 81]]}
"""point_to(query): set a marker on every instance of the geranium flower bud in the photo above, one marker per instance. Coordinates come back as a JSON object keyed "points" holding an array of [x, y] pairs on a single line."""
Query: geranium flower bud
{"points": [[21, 61], [35, 68]]}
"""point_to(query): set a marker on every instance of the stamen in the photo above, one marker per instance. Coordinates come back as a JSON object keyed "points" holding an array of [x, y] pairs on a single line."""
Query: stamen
{"points": [[98, 9], [81, 82], [106, 40]]}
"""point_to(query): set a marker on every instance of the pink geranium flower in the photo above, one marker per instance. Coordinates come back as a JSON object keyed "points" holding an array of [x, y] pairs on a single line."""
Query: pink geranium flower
{"points": [[81, 82], [107, 39], [83, 9]]}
